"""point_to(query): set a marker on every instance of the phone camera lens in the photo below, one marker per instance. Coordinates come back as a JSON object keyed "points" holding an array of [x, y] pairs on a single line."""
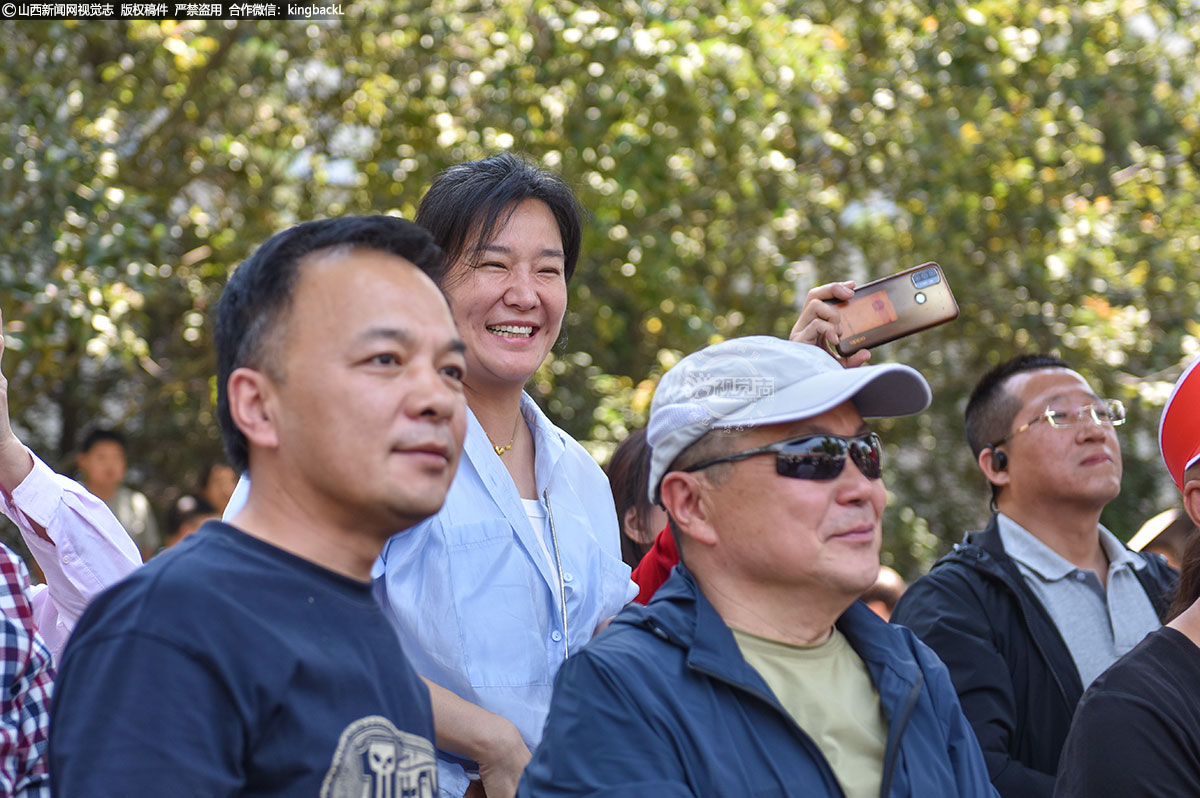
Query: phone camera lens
{"points": [[926, 278]]}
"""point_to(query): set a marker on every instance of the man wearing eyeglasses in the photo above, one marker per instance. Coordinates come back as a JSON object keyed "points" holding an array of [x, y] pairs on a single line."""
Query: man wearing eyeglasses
{"points": [[1029, 611], [754, 670]]}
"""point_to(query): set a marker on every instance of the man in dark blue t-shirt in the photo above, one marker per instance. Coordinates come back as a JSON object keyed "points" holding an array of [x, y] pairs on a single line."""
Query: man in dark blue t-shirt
{"points": [[252, 659]]}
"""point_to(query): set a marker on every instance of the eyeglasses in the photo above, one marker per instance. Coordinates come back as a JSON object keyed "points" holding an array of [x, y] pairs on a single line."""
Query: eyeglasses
{"points": [[819, 457], [1104, 411]]}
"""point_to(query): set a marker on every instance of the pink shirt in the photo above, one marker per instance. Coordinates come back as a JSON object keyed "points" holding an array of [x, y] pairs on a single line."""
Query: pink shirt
{"points": [[90, 549]]}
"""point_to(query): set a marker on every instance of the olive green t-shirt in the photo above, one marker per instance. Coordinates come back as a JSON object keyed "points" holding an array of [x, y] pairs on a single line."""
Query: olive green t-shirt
{"points": [[828, 691]]}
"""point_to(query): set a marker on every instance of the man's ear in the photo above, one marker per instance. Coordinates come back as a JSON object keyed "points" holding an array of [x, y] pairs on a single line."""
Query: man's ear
{"points": [[683, 497], [252, 406], [1191, 498], [987, 464]]}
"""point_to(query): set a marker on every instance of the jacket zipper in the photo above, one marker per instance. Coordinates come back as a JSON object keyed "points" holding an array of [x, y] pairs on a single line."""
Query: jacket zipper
{"points": [[1027, 606], [893, 743], [562, 588], [814, 751]]}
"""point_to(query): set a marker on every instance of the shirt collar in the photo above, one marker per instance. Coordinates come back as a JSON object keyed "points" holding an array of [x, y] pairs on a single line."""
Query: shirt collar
{"points": [[1118, 554], [1021, 545], [548, 445]]}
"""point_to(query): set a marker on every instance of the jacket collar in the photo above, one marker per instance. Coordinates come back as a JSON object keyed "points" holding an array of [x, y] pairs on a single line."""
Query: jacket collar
{"points": [[984, 552], [682, 615]]}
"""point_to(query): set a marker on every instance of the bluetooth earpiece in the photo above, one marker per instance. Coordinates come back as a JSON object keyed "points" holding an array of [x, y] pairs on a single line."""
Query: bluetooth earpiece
{"points": [[999, 459]]}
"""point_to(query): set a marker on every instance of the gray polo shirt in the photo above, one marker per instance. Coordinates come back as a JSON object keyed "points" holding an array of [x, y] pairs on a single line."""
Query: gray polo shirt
{"points": [[1098, 626]]}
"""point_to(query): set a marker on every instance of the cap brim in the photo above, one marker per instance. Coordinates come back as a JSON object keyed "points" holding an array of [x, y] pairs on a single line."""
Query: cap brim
{"points": [[1179, 428], [886, 390]]}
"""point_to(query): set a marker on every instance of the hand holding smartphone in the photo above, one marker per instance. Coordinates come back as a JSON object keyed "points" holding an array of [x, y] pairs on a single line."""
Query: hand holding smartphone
{"points": [[893, 307]]}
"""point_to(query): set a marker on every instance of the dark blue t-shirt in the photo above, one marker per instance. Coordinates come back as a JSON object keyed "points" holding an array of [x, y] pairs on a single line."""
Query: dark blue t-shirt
{"points": [[229, 667]]}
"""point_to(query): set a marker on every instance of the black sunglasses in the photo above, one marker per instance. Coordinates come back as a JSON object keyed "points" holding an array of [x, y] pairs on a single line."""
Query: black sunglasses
{"points": [[818, 456]]}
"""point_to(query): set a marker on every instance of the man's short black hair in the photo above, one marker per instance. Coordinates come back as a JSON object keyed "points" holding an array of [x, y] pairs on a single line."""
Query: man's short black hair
{"points": [[260, 291], [991, 409], [469, 201], [101, 434]]}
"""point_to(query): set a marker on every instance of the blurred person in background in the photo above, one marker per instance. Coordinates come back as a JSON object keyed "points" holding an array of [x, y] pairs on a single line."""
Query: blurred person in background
{"points": [[1167, 534], [882, 596], [640, 519], [187, 514], [1136, 733], [219, 482], [102, 462]]}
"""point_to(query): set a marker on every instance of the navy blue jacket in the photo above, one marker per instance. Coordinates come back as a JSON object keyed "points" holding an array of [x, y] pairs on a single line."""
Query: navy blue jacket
{"points": [[662, 704]]}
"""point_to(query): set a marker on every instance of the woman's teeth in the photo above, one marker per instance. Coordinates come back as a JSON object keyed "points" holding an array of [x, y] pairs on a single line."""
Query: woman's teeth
{"points": [[511, 330]]}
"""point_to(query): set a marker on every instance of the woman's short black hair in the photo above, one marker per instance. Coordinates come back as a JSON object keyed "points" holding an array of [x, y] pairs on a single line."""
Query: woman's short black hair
{"points": [[469, 201], [628, 475], [260, 291]]}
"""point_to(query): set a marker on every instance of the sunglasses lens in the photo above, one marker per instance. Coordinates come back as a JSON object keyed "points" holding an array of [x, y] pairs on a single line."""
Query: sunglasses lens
{"points": [[867, 456], [823, 457]]}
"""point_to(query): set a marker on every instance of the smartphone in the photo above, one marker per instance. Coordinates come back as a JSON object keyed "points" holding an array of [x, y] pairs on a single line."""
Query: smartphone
{"points": [[895, 306]]}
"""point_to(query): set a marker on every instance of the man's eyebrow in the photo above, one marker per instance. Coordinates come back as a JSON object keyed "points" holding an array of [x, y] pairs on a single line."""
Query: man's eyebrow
{"points": [[387, 333], [549, 252], [455, 345], [1060, 396]]}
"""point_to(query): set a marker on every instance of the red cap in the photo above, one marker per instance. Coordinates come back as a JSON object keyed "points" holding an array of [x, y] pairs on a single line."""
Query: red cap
{"points": [[1179, 430]]}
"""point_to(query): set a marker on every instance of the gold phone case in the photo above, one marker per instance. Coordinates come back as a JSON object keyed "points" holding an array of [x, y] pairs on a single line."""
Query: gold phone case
{"points": [[895, 306]]}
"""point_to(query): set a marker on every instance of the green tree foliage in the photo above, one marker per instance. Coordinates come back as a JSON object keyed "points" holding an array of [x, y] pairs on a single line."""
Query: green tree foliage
{"points": [[732, 155]]}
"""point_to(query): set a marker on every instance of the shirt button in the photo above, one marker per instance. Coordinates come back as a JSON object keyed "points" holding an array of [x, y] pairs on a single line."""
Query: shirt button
{"points": [[1081, 576], [567, 577], [67, 559], [556, 636]]}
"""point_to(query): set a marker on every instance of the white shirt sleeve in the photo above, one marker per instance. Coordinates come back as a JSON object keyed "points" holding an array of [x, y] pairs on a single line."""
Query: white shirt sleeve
{"points": [[88, 550]]}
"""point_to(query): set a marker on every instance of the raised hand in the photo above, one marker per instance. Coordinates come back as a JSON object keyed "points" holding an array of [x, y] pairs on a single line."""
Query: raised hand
{"points": [[820, 322]]}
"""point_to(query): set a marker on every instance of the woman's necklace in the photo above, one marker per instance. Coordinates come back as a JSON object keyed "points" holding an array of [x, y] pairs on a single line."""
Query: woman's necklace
{"points": [[500, 450]]}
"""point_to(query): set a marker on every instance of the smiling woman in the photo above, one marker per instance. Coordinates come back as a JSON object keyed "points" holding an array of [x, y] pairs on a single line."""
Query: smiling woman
{"points": [[508, 300], [523, 562]]}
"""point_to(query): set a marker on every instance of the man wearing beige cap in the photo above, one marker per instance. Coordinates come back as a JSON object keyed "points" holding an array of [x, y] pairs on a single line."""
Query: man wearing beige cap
{"points": [[1137, 729], [754, 670]]}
